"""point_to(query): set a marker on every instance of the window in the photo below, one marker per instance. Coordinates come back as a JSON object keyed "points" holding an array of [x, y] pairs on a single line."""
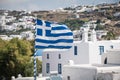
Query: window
{"points": [[105, 61], [59, 56], [111, 46], [59, 68], [75, 50], [68, 77], [47, 68], [47, 56], [101, 48]]}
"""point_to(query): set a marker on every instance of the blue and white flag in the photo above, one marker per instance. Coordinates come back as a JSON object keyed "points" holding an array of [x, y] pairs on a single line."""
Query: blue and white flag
{"points": [[50, 35]]}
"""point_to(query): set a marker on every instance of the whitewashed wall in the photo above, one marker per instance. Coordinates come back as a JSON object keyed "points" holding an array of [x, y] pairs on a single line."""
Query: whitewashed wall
{"points": [[88, 53], [79, 72], [81, 57]]}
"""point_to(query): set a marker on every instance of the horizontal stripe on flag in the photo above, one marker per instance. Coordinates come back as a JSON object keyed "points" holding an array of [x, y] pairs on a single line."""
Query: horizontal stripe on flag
{"points": [[49, 34], [59, 27], [52, 46], [52, 38], [59, 34], [54, 41], [60, 31], [57, 44], [41, 27]]}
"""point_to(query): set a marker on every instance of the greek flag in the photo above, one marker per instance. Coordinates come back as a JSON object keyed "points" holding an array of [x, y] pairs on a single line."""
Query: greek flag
{"points": [[50, 35]]}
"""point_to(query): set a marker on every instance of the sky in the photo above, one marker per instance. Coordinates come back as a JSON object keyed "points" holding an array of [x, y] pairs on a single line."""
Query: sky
{"points": [[47, 4]]}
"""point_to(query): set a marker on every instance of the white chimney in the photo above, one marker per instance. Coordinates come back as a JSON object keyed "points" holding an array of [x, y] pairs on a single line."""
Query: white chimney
{"points": [[93, 35], [85, 35]]}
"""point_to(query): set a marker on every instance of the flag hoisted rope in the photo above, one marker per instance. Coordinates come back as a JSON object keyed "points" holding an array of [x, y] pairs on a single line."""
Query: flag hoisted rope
{"points": [[53, 36], [35, 66]]}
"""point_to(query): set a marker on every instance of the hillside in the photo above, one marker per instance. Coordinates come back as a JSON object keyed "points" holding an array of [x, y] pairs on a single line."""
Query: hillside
{"points": [[106, 14]]}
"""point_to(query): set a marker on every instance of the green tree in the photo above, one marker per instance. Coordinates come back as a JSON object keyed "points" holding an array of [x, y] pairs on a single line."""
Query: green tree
{"points": [[73, 24], [99, 27], [110, 36], [30, 66], [3, 59], [98, 21], [15, 58]]}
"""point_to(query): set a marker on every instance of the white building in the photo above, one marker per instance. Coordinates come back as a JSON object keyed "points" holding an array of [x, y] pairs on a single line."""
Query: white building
{"points": [[59, 10], [6, 19], [82, 52], [4, 37], [108, 71], [10, 27], [91, 72], [15, 36], [28, 35], [2, 22], [86, 8], [112, 57], [101, 33], [117, 14]]}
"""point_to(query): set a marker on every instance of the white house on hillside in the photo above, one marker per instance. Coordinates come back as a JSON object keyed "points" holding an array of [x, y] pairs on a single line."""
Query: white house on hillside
{"points": [[28, 35]]}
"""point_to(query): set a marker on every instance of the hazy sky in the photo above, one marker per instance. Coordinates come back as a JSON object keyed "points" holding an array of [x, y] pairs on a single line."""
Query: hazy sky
{"points": [[46, 4]]}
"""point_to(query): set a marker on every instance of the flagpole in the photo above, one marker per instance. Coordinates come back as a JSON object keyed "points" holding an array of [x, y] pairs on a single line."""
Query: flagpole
{"points": [[35, 67], [35, 52]]}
